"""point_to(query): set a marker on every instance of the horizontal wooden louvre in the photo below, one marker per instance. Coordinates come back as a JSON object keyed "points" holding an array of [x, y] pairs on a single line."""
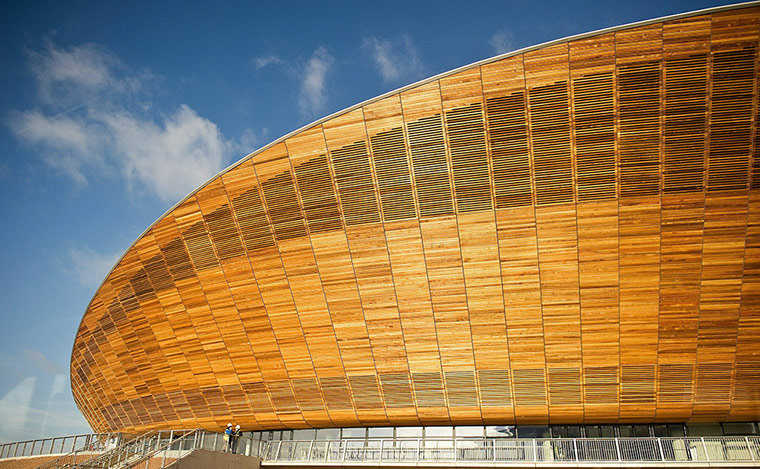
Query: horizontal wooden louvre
{"points": [[530, 386], [283, 207], [552, 161], [566, 235], [353, 176], [397, 389], [199, 246], [308, 394], [431, 169], [731, 119], [393, 176], [639, 134], [508, 134], [469, 161], [318, 195], [428, 389], [675, 383], [224, 233], [336, 393], [461, 389], [158, 272], [365, 392], [637, 384], [685, 119], [601, 385], [564, 386], [595, 136], [252, 219], [495, 388]]}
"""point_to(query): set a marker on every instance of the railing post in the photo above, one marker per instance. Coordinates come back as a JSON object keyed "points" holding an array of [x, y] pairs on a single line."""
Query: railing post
{"points": [[418, 449], [343, 453], [575, 447], [617, 448], [456, 453], [749, 448], [662, 453], [311, 447], [704, 447], [535, 451]]}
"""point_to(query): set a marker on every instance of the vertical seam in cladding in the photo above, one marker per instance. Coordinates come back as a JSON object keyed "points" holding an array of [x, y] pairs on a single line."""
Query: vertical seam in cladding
{"points": [[660, 191], [178, 343], [747, 191], [492, 181], [529, 136], [287, 280], [333, 175], [208, 303], [234, 301], [455, 204], [618, 192], [447, 143], [376, 184], [574, 182], [424, 255]]}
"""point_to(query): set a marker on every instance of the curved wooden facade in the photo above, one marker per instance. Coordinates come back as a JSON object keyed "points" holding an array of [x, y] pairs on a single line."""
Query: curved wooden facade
{"points": [[566, 234]]}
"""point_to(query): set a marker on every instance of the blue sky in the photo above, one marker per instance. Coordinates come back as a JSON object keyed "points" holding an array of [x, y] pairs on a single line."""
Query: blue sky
{"points": [[111, 112]]}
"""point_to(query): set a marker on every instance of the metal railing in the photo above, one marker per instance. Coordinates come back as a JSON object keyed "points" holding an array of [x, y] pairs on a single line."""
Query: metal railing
{"points": [[57, 445], [156, 449], [676, 451]]}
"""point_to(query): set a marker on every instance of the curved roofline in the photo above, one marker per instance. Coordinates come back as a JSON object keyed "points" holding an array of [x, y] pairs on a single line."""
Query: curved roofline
{"points": [[662, 19]]}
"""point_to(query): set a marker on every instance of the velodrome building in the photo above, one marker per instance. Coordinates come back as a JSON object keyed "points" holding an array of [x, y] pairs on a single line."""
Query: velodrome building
{"points": [[566, 235]]}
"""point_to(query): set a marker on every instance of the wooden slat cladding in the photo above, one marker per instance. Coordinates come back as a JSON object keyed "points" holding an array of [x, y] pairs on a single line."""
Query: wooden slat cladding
{"points": [[430, 165], [508, 133], [685, 119], [731, 119], [284, 210], [593, 98], [568, 235], [468, 158], [353, 176], [393, 176], [316, 189], [639, 129]]}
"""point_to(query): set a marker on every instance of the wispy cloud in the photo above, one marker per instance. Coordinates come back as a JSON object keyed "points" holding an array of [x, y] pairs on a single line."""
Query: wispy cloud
{"points": [[90, 267], [396, 60], [502, 42], [40, 360], [313, 97], [264, 61], [95, 113], [165, 156]]}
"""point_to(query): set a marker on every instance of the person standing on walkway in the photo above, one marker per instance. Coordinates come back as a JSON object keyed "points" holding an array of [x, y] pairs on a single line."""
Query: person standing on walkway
{"points": [[236, 434], [228, 438]]}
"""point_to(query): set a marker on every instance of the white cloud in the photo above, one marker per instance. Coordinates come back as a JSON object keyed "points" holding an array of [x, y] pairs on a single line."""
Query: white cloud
{"points": [[71, 76], [396, 60], [172, 159], [502, 42], [262, 62], [99, 123], [90, 267], [313, 96], [71, 145], [39, 359]]}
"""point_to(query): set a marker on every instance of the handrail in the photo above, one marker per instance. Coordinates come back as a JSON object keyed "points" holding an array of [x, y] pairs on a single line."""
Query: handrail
{"points": [[109, 442], [127, 452], [678, 451], [169, 445], [53, 445]]}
